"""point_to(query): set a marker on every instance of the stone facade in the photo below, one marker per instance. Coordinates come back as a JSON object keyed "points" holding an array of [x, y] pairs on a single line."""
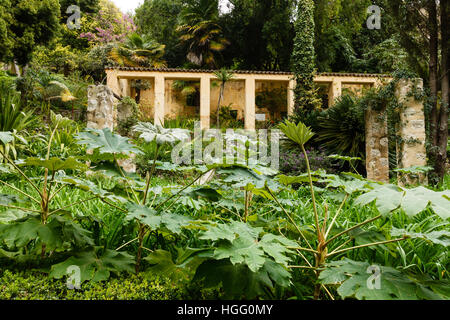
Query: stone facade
{"points": [[377, 145], [411, 151], [100, 110]]}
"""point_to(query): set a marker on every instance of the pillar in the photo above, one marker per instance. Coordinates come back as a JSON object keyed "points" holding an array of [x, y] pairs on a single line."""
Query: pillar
{"points": [[125, 85], [159, 100], [112, 82], [377, 145], [411, 150], [249, 112], [291, 97], [205, 102], [335, 92]]}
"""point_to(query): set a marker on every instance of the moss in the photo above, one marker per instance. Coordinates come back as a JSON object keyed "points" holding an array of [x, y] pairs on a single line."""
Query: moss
{"points": [[33, 285]]}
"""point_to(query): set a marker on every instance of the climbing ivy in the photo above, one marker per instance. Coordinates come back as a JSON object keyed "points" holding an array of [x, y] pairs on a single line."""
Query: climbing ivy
{"points": [[303, 61]]}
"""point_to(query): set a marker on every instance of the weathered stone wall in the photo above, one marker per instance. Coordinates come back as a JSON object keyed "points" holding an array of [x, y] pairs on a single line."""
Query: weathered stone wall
{"points": [[411, 151], [100, 110], [377, 145], [101, 114]]}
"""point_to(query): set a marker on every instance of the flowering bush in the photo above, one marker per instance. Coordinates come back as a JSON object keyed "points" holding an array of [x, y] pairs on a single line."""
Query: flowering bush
{"points": [[111, 27], [292, 161]]}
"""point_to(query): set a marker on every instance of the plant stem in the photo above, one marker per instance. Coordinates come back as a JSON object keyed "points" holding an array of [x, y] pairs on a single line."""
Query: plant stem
{"points": [[336, 215], [124, 245], [150, 176], [308, 168], [126, 179], [303, 249], [19, 208], [366, 245], [73, 204], [289, 217], [353, 228], [22, 174], [141, 236], [113, 205], [20, 191], [246, 205], [179, 192]]}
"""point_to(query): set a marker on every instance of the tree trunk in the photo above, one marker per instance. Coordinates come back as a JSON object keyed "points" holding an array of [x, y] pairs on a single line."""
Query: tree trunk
{"points": [[442, 132], [433, 69]]}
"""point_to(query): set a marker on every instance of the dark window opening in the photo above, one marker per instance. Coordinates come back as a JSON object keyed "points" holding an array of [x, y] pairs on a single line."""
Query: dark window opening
{"points": [[193, 99]]}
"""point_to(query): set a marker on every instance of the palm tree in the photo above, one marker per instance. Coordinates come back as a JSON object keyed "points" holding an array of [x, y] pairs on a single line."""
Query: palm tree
{"points": [[139, 51], [201, 32], [223, 76]]}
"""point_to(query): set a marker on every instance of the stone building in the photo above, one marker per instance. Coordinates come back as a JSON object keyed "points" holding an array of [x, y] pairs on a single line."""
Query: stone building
{"points": [[162, 100]]}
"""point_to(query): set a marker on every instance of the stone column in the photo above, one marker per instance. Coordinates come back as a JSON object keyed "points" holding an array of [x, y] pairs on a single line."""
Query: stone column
{"points": [[411, 151], [112, 82], [249, 112], [291, 97], [377, 147], [101, 114], [205, 102], [159, 99], [335, 92], [100, 110], [125, 85]]}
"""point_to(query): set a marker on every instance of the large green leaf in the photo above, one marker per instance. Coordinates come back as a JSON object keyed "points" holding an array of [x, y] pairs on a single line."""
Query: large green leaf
{"points": [[148, 216], [238, 281], [106, 142], [160, 135], [299, 133], [58, 233], [7, 199], [95, 265], [12, 215], [353, 278], [91, 187], [417, 199], [56, 164], [22, 232], [413, 201], [242, 244], [239, 176], [162, 263], [349, 186], [437, 237], [242, 250], [387, 198], [230, 231]]}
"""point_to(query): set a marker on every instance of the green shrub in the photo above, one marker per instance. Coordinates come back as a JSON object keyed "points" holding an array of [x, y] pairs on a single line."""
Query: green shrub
{"points": [[342, 128], [33, 285]]}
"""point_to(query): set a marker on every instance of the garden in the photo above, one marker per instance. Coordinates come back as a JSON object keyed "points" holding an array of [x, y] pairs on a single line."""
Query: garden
{"points": [[76, 224]]}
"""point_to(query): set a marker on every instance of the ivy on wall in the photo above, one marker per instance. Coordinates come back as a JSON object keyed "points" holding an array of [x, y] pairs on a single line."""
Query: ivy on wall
{"points": [[303, 61]]}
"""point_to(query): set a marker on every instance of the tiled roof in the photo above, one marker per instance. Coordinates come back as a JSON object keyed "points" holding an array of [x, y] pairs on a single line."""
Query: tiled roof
{"points": [[327, 74]]}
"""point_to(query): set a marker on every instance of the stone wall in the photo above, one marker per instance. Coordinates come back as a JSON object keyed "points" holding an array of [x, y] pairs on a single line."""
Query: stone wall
{"points": [[101, 114], [100, 110], [411, 151], [377, 145]]}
